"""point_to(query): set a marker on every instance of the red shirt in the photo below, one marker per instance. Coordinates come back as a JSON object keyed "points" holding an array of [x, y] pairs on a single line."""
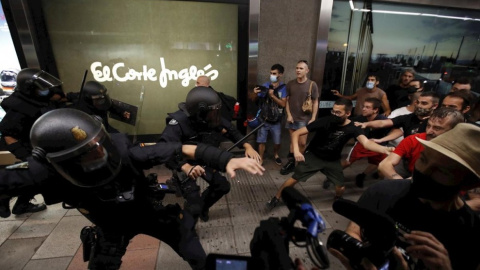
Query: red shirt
{"points": [[410, 149]]}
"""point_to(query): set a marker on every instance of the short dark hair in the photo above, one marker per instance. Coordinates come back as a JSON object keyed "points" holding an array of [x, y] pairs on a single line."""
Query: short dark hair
{"points": [[435, 97], [443, 112], [376, 103], [463, 80], [278, 67], [419, 81], [375, 76], [462, 94], [347, 102], [303, 61]]}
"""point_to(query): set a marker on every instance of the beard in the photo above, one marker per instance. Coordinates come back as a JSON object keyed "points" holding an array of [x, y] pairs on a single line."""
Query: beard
{"points": [[423, 112]]}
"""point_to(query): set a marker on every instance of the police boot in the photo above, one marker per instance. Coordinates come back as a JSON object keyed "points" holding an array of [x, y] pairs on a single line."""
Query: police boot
{"points": [[23, 206], [5, 208]]}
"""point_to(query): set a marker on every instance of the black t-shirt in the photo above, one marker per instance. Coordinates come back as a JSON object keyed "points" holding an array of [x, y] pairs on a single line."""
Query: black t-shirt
{"points": [[458, 231], [330, 139], [397, 96], [410, 124]]}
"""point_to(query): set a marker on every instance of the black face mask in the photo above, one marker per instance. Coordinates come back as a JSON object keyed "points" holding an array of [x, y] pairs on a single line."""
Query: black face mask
{"points": [[423, 186]]}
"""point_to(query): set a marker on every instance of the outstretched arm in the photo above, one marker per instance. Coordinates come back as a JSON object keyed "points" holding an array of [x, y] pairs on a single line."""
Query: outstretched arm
{"points": [[375, 124], [372, 146], [387, 166], [394, 134]]}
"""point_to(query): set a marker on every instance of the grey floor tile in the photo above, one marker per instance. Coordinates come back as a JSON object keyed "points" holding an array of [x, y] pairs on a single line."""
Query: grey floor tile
{"points": [[243, 237], [50, 264], [7, 228], [168, 259], [218, 240], [41, 223], [64, 239], [73, 212], [219, 216], [16, 253]]}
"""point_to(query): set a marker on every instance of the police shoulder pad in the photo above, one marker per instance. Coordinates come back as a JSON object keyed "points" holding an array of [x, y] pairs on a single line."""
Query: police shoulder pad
{"points": [[173, 122]]}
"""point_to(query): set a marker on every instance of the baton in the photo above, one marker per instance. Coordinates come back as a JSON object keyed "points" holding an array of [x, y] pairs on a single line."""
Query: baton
{"points": [[246, 136], [82, 93]]}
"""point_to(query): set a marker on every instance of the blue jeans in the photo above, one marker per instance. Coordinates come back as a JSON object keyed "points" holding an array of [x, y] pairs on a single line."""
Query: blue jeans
{"points": [[275, 130], [296, 124]]}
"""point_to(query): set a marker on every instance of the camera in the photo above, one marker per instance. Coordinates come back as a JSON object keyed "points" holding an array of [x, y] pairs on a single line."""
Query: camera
{"points": [[262, 88], [269, 246], [380, 236]]}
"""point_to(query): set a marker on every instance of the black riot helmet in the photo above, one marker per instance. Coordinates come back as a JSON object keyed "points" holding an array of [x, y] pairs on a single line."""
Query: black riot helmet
{"points": [[77, 146], [35, 82], [95, 94], [203, 105]]}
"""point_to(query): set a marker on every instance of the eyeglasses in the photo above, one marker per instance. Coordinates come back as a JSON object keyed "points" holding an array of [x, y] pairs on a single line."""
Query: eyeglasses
{"points": [[336, 113]]}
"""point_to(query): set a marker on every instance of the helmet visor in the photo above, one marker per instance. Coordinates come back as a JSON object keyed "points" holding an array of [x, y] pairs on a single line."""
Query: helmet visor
{"points": [[43, 80], [213, 115], [96, 164], [102, 102]]}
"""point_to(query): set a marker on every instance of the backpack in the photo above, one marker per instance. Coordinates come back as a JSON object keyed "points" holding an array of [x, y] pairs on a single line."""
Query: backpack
{"points": [[228, 107], [270, 111]]}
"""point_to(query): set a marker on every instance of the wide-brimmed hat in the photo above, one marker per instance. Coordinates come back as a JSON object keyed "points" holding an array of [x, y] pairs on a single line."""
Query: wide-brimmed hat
{"points": [[461, 144]]}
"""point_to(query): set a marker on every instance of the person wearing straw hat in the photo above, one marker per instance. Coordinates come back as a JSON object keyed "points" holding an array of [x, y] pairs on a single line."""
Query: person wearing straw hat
{"points": [[445, 232]]}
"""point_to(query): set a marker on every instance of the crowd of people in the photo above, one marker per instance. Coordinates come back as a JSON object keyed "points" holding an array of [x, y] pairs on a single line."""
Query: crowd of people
{"points": [[426, 141]]}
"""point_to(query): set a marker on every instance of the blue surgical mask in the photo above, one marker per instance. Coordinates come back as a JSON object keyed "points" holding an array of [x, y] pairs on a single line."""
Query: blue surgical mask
{"points": [[43, 93], [370, 85], [273, 78]]}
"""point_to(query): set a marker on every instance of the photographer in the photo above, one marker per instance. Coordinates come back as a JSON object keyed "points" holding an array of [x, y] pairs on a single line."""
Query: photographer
{"points": [[272, 97], [444, 231]]}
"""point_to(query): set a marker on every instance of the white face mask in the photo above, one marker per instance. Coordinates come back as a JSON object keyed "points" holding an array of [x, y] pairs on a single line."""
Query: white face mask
{"points": [[370, 85], [273, 78]]}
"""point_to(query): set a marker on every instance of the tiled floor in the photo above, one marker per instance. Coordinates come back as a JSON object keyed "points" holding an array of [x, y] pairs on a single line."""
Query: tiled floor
{"points": [[50, 239]]}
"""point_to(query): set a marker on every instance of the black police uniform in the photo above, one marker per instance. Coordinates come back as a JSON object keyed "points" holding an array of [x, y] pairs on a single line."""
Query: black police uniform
{"points": [[87, 107], [128, 205], [180, 128], [21, 112]]}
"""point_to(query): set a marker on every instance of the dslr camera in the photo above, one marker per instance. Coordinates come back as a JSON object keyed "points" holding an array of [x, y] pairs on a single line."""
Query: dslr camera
{"points": [[270, 243], [379, 232]]}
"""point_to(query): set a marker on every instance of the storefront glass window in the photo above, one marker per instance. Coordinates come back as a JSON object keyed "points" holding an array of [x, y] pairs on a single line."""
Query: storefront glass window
{"points": [[147, 53]]}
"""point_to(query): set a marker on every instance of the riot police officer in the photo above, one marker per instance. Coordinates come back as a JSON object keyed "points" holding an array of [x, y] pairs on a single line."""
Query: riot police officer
{"points": [[199, 120], [75, 161], [94, 100], [30, 99]]}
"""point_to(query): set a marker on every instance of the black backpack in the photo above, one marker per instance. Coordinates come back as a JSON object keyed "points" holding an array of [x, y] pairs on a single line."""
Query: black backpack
{"points": [[270, 111], [228, 107]]}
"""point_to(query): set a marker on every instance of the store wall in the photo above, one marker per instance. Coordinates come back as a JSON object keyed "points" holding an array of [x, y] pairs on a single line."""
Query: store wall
{"points": [[287, 32]]}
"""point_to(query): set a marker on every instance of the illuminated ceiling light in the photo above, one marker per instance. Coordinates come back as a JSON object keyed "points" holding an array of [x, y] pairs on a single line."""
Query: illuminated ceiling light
{"points": [[396, 12], [352, 7]]}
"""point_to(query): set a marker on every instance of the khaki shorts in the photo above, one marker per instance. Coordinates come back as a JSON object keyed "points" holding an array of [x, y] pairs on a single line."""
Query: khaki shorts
{"points": [[331, 169]]}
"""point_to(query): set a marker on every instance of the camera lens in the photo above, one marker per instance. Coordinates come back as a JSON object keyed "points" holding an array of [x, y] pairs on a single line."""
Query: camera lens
{"points": [[347, 245]]}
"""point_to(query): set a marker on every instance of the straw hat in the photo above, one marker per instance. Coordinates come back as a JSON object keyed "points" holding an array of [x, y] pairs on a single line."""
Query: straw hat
{"points": [[461, 144]]}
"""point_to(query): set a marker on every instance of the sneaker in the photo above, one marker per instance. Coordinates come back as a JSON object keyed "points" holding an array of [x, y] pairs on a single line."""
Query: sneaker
{"points": [[326, 183], [278, 161], [28, 207], [272, 203], [5, 208], [359, 180], [288, 168]]}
